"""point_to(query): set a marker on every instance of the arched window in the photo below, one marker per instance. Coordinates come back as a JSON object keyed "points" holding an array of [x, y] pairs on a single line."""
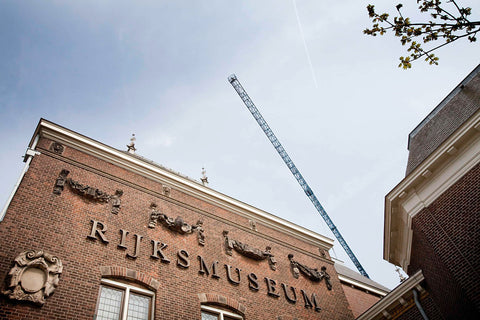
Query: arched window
{"points": [[123, 301], [212, 313]]}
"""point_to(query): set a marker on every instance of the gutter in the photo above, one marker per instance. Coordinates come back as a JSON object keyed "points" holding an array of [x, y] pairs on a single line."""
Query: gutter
{"points": [[27, 158]]}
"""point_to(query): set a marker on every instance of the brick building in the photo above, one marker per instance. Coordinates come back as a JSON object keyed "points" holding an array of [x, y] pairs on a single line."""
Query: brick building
{"points": [[93, 232], [432, 217]]}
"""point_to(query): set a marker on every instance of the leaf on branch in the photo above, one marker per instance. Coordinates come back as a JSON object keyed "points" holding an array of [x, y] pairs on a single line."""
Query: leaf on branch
{"points": [[448, 26]]}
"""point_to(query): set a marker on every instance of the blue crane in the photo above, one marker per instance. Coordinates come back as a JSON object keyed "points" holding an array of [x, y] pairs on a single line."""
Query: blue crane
{"points": [[281, 151]]}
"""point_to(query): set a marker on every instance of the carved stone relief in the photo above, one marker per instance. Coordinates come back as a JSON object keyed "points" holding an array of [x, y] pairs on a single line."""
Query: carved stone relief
{"points": [[166, 190], [33, 277], [249, 251], [88, 192], [116, 202], [57, 148], [60, 182], [177, 224], [311, 273], [253, 225]]}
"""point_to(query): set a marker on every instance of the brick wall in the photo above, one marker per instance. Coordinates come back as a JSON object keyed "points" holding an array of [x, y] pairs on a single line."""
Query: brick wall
{"points": [[446, 247], [359, 300], [429, 307], [38, 219]]}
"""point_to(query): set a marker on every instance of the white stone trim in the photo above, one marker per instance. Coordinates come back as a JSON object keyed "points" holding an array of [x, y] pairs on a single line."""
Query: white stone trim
{"points": [[424, 185], [364, 286], [393, 297], [162, 175]]}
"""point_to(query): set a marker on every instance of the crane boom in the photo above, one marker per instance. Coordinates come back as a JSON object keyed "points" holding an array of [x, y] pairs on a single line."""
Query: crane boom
{"points": [[283, 154]]}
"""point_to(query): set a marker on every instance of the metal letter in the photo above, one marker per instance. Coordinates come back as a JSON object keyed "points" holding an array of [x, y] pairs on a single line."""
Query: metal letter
{"points": [[252, 282], [308, 303], [229, 275], [204, 268], [158, 251], [122, 239], [137, 247], [272, 291], [182, 260], [101, 233], [289, 299]]}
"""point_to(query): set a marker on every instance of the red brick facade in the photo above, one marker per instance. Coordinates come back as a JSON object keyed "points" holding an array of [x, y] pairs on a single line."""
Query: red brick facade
{"points": [[65, 225], [446, 247], [359, 300]]}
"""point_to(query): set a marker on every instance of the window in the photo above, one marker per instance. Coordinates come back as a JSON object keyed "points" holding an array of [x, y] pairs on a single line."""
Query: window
{"points": [[209, 313], [120, 301]]}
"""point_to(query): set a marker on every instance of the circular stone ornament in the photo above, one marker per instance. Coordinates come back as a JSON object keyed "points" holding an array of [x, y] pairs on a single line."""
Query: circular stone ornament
{"points": [[33, 277]]}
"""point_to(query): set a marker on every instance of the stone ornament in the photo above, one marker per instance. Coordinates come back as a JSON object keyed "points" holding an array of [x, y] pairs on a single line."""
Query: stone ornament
{"points": [[115, 200], [249, 251], [60, 182], [177, 224], [166, 190], [311, 273], [57, 148], [88, 192], [33, 277]]}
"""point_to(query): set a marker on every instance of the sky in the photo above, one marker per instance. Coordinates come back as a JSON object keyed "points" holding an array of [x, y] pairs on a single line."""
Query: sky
{"points": [[333, 96]]}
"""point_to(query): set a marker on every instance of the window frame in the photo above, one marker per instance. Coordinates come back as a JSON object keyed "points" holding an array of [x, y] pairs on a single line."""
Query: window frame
{"points": [[126, 288], [221, 313]]}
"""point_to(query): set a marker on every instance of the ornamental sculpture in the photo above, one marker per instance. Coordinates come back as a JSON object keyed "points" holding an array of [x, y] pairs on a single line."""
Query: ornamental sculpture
{"points": [[88, 192], [249, 251], [177, 224], [57, 148], [33, 277], [60, 182], [311, 273]]}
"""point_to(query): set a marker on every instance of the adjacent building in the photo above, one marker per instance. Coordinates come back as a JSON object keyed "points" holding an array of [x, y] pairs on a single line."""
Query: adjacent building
{"points": [[432, 217]]}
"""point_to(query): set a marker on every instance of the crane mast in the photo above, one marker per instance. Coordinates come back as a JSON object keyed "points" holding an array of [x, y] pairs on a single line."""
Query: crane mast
{"points": [[283, 154]]}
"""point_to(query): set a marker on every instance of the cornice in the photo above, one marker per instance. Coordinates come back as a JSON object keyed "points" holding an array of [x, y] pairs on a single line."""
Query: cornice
{"points": [[395, 297], [443, 168], [361, 285], [162, 175]]}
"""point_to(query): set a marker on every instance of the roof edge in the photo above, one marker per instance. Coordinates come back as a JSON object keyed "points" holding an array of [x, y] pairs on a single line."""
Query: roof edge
{"points": [[159, 173], [442, 104]]}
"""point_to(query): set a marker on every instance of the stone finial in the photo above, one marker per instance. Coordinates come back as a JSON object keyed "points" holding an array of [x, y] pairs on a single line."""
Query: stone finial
{"points": [[204, 177], [131, 145], [400, 275]]}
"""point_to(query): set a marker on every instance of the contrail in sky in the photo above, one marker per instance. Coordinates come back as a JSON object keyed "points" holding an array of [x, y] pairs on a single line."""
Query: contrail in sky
{"points": [[305, 44]]}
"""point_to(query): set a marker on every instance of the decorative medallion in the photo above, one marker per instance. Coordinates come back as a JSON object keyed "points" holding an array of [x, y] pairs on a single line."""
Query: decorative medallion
{"points": [[57, 148], [88, 192], [34, 277], [177, 224], [311, 273], [249, 251], [166, 190]]}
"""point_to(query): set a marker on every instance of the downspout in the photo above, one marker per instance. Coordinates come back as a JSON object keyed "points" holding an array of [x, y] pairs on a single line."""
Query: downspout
{"points": [[29, 154], [419, 306]]}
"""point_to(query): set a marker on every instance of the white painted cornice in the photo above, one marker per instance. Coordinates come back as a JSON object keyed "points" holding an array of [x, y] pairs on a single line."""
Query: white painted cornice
{"points": [[164, 176], [397, 296], [446, 165], [361, 285]]}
